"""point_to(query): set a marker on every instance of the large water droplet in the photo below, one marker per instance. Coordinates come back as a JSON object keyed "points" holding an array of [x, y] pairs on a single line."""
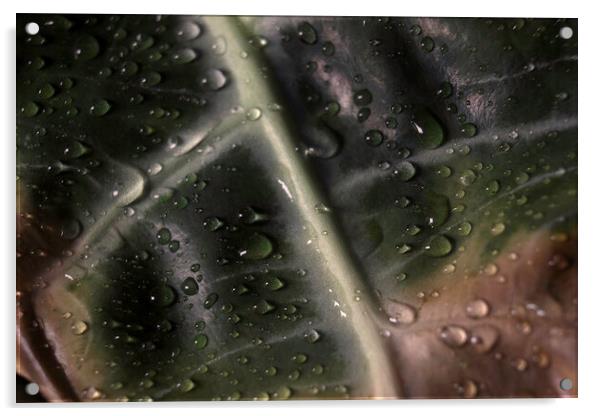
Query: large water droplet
{"points": [[189, 286], [439, 246], [400, 313], [214, 79], [430, 132], [100, 108], [453, 335], [307, 34], [477, 309], [256, 247]]}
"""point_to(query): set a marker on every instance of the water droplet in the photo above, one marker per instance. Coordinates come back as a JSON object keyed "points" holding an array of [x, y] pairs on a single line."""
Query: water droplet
{"points": [[183, 56], [273, 283], [492, 187], [467, 177], [46, 91], [214, 79], [201, 341], [186, 385], [405, 170], [430, 132], [163, 236], [162, 295], [210, 300], [256, 247], [468, 389], [468, 130], [79, 327], [477, 309], [498, 228], [400, 313], [250, 215], [307, 34], [70, 229], [154, 169], [86, 47], [189, 286], [29, 109], [253, 114], [484, 338], [445, 90], [75, 149], [464, 228], [100, 108], [453, 335], [300, 358], [213, 223], [374, 137], [362, 97], [263, 307], [427, 44], [328, 49], [363, 114], [220, 46], [282, 393], [439, 246], [311, 336]]}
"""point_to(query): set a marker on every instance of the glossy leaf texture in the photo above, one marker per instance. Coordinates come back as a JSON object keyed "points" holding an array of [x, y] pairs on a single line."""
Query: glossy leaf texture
{"points": [[258, 208]]}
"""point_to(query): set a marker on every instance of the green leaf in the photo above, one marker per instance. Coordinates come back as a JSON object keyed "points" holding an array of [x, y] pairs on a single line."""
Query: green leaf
{"points": [[284, 207]]}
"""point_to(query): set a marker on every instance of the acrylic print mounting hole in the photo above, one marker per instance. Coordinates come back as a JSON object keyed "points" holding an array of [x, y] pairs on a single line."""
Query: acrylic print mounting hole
{"points": [[32, 28]]}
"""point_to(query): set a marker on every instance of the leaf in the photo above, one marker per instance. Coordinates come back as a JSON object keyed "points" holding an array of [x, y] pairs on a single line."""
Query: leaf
{"points": [[284, 207]]}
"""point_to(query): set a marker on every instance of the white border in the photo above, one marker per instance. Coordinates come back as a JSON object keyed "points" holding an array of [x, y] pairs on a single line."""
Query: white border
{"points": [[590, 146]]}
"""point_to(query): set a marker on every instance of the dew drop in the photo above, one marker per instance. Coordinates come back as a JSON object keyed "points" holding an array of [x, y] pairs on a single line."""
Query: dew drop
{"points": [[477, 309], [253, 114], [214, 79], [400, 313], [438, 246], [163, 236], [374, 137], [362, 97], [453, 335], [429, 130], [100, 108], [498, 228], [256, 247], [311, 336], [405, 170], [306, 33], [468, 130], [189, 286], [79, 328], [201, 341]]}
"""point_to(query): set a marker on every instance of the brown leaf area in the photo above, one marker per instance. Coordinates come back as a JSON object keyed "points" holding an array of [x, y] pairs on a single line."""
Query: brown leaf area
{"points": [[506, 329]]}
